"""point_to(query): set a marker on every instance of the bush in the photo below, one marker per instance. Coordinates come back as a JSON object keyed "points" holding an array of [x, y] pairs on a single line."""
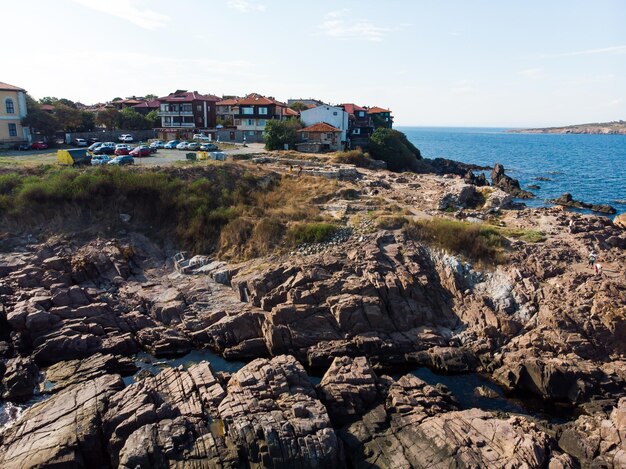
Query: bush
{"points": [[309, 233], [395, 149], [476, 242], [355, 157], [391, 222], [278, 133]]}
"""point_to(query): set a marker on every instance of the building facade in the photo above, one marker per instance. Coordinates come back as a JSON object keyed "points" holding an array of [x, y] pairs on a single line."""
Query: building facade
{"points": [[255, 111], [332, 115], [319, 137], [381, 117], [12, 111], [187, 112], [227, 109]]}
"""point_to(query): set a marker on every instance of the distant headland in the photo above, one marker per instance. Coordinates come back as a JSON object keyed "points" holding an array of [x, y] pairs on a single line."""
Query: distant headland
{"points": [[615, 127]]}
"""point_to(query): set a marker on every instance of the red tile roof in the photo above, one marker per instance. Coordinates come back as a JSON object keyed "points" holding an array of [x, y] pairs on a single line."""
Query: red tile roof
{"points": [[377, 110], [153, 104], [7, 87], [287, 111], [228, 102], [47, 107], [350, 108], [255, 99], [181, 96], [320, 127]]}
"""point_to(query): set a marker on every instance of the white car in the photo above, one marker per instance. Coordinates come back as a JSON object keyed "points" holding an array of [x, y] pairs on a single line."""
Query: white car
{"points": [[127, 138], [201, 138], [98, 160], [157, 144], [193, 146], [182, 146]]}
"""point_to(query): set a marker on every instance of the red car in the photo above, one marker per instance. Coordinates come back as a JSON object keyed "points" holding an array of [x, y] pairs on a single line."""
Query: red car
{"points": [[39, 146], [122, 149], [140, 151]]}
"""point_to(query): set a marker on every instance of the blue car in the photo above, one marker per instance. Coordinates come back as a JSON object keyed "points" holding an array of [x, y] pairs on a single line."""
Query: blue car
{"points": [[122, 160], [171, 144]]}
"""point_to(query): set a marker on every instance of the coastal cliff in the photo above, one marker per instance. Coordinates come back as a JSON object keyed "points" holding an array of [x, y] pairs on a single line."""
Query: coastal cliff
{"points": [[332, 289], [607, 128]]}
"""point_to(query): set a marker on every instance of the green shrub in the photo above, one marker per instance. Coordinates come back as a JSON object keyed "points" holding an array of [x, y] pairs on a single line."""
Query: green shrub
{"points": [[395, 149], [355, 157], [391, 222], [278, 133], [308, 233]]}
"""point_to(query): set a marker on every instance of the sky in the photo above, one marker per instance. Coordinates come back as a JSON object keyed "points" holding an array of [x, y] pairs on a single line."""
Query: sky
{"points": [[516, 63]]}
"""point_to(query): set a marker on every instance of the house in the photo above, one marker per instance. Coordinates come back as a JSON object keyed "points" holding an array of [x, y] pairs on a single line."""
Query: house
{"points": [[319, 137], [332, 115], [254, 112], [380, 117], [12, 110], [184, 113], [146, 107], [227, 109], [360, 125]]}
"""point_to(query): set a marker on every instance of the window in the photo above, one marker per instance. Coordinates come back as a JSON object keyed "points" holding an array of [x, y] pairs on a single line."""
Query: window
{"points": [[250, 121], [251, 132], [263, 111], [329, 135], [261, 122], [361, 114], [187, 108], [356, 131], [199, 107], [237, 121], [12, 130], [9, 105], [305, 135], [247, 110], [335, 113]]}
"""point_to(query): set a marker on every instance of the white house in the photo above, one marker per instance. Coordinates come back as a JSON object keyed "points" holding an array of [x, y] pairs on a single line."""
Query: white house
{"points": [[332, 115]]}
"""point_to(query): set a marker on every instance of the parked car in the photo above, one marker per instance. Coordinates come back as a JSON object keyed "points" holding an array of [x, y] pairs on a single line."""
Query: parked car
{"points": [[171, 144], [21, 146], [201, 138], [157, 144], [122, 160], [100, 159], [79, 142], [39, 146], [94, 146], [104, 150], [193, 146], [182, 146], [122, 149], [140, 151], [127, 138], [208, 147], [93, 140]]}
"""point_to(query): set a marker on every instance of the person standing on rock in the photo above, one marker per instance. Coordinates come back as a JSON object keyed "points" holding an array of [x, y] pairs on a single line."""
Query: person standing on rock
{"points": [[598, 269], [592, 258]]}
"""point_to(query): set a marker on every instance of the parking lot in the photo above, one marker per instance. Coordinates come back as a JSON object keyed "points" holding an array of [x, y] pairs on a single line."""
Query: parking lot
{"points": [[161, 157]]}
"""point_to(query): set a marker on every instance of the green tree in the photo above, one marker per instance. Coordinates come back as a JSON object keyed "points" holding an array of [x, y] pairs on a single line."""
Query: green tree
{"points": [[70, 119], [40, 122], [299, 106], [48, 100], [277, 133], [88, 121], [395, 149], [153, 119], [150, 97], [132, 120], [109, 118]]}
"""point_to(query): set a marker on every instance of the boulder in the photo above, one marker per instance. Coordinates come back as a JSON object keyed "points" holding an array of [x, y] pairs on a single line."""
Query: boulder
{"points": [[508, 184], [20, 378]]}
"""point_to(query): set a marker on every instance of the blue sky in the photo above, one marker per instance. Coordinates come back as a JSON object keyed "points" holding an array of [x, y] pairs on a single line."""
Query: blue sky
{"points": [[448, 63]]}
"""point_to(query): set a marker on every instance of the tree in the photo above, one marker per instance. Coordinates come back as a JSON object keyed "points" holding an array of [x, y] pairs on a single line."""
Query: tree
{"points": [[299, 106], [109, 118], [395, 149], [150, 97], [70, 119], [153, 119], [132, 120], [48, 100], [278, 133], [40, 121], [88, 121], [228, 122]]}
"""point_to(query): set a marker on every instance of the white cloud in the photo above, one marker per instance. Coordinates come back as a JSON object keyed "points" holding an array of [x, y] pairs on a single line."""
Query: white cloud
{"points": [[129, 10], [533, 73], [337, 25], [245, 6], [604, 50]]}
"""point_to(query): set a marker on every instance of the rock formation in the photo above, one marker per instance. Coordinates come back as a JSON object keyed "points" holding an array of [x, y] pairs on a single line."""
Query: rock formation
{"points": [[508, 184]]}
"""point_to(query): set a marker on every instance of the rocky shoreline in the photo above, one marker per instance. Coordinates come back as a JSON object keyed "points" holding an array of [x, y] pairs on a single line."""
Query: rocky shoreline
{"points": [[607, 128], [371, 303]]}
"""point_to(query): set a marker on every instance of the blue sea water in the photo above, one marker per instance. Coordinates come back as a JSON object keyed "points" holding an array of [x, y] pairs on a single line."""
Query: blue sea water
{"points": [[591, 167]]}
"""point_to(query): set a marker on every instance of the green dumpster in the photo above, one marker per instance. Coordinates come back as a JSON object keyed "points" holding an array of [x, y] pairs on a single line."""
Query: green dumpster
{"points": [[191, 156]]}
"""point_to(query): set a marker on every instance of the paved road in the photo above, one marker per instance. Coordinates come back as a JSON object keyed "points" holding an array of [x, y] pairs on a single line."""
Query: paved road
{"points": [[162, 157]]}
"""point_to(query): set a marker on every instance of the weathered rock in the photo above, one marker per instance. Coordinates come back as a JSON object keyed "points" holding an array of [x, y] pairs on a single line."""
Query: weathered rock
{"points": [[20, 378], [620, 221], [62, 431], [566, 200], [507, 183], [271, 412], [458, 196], [348, 389]]}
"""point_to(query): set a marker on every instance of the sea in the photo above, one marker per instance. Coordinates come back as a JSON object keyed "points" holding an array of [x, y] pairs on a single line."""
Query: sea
{"points": [[590, 167]]}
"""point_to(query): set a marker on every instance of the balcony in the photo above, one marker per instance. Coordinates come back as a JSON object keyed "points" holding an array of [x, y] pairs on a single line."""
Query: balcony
{"points": [[175, 113], [177, 125]]}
